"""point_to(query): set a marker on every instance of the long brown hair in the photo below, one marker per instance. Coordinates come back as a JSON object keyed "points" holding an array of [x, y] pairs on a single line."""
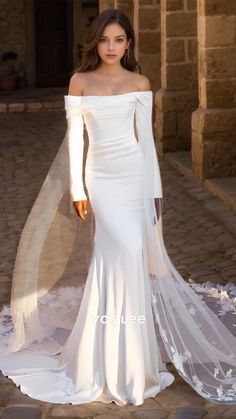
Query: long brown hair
{"points": [[89, 55]]}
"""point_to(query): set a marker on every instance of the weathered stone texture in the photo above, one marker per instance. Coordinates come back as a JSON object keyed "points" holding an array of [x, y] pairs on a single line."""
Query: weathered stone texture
{"points": [[181, 24], [217, 7], [149, 19], [12, 28], [217, 63], [172, 5], [179, 74], [147, 29], [105, 4], [181, 77], [218, 93], [175, 50], [214, 123], [148, 2], [173, 119], [191, 4], [213, 143], [149, 42], [215, 31], [192, 51]]}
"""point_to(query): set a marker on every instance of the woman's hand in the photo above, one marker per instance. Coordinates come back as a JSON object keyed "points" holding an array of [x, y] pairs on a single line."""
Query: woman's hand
{"points": [[80, 208]]}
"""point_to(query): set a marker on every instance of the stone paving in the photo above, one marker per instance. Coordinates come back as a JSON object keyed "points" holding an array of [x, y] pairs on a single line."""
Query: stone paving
{"points": [[197, 236]]}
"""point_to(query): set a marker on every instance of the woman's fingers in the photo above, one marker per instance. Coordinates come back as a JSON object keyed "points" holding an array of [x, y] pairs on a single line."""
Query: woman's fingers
{"points": [[81, 208]]}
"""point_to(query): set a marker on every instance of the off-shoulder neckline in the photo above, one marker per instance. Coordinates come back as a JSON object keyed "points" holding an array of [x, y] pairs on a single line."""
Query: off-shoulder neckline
{"points": [[121, 94]]}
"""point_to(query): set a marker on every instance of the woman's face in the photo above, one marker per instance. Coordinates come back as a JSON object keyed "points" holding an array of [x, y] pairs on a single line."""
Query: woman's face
{"points": [[113, 41]]}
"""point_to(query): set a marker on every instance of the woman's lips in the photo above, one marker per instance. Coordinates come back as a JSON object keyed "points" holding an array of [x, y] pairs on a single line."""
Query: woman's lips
{"points": [[110, 55]]}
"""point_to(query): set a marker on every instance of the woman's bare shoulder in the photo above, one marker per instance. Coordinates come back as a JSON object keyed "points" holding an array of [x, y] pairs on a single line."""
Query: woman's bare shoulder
{"points": [[77, 83], [143, 82], [138, 81]]}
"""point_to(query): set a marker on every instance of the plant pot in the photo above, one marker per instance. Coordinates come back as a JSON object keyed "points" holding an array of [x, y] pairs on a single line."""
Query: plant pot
{"points": [[8, 82]]}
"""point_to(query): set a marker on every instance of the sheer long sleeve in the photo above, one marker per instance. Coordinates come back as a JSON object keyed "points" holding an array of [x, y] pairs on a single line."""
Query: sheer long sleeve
{"points": [[75, 132]]}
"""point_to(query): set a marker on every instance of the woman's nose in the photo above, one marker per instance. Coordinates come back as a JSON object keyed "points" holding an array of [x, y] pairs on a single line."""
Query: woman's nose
{"points": [[111, 46]]}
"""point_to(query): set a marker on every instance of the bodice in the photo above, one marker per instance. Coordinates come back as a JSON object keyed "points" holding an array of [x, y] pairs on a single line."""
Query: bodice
{"points": [[107, 118]]}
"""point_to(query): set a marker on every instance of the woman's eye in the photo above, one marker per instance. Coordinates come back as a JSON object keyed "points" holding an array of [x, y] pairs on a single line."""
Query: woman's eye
{"points": [[118, 40]]}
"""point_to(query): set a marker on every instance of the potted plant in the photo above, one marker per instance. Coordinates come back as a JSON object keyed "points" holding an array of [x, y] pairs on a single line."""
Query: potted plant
{"points": [[7, 71]]}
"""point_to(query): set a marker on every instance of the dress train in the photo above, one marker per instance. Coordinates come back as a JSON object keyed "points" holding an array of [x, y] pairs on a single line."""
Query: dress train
{"points": [[109, 340]]}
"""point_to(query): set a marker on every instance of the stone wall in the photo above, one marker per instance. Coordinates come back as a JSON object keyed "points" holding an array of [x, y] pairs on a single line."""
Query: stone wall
{"points": [[189, 55], [106, 4], [178, 96], [149, 41], [214, 123], [12, 27], [145, 18]]}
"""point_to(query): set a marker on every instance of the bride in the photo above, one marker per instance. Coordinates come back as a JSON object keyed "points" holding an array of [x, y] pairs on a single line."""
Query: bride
{"points": [[107, 339]]}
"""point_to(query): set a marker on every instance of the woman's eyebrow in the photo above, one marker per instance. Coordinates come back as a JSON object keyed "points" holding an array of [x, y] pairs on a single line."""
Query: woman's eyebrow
{"points": [[103, 36]]}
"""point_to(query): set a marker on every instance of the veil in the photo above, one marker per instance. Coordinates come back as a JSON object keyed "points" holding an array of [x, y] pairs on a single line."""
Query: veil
{"points": [[49, 278]]}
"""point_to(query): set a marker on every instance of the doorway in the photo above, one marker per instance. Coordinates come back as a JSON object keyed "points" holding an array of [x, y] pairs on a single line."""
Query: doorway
{"points": [[53, 42]]}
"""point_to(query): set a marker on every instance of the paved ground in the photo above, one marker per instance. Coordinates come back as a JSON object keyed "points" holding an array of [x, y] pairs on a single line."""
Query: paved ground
{"points": [[197, 235]]}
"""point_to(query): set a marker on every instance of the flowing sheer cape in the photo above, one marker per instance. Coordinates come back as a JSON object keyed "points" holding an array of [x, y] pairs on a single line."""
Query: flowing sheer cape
{"points": [[49, 274]]}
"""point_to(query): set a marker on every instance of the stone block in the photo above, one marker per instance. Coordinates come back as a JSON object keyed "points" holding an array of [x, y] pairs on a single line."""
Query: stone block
{"points": [[176, 100], [172, 5], [149, 19], [181, 76], [220, 93], [164, 101], [192, 4], [219, 156], [3, 108], [166, 124], [149, 42], [192, 50], [150, 64], [220, 63], [175, 50], [217, 30], [181, 24], [220, 121], [213, 143], [197, 155], [217, 7], [58, 104], [16, 107], [48, 104], [214, 120], [184, 124], [146, 2], [34, 106], [187, 101], [105, 4], [166, 145]]}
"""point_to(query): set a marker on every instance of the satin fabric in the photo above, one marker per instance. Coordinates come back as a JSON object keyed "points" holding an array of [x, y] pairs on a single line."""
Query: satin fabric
{"points": [[47, 336], [112, 352]]}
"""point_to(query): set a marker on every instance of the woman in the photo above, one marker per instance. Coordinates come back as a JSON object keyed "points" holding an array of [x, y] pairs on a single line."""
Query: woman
{"points": [[104, 347]]}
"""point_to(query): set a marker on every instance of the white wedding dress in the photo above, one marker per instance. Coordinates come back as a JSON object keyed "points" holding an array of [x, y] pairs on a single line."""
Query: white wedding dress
{"points": [[64, 342]]}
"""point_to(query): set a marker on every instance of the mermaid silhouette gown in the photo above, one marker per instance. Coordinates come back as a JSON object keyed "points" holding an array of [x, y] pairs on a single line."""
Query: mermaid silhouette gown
{"points": [[112, 353], [65, 344]]}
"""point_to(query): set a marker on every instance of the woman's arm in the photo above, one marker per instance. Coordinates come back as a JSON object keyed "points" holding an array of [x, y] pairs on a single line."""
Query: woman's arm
{"points": [[143, 115], [75, 126]]}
